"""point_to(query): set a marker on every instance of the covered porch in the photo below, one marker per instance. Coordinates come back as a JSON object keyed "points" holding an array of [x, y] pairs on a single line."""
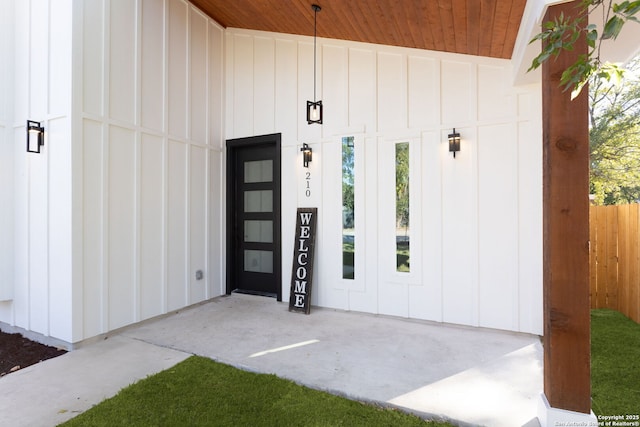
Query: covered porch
{"points": [[470, 376]]}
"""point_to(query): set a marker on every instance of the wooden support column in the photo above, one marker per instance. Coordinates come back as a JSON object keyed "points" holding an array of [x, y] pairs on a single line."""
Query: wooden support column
{"points": [[566, 233]]}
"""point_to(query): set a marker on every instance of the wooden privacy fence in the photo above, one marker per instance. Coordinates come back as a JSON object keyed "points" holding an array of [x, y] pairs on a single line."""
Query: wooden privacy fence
{"points": [[615, 258]]}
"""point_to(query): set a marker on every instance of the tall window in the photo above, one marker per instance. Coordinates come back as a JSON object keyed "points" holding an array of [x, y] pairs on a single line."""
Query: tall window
{"points": [[402, 207], [348, 208]]}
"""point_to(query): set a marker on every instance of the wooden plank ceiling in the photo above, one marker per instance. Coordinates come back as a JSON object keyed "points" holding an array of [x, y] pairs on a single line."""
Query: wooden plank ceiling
{"points": [[474, 27]]}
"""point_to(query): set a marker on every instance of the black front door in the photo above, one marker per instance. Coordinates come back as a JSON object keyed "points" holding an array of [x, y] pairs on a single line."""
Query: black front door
{"points": [[253, 200]]}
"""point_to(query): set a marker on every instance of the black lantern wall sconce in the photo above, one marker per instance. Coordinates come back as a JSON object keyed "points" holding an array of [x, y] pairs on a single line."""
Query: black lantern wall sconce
{"points": [[454, 142], [307, 153], [314, 108], [35, 136]]}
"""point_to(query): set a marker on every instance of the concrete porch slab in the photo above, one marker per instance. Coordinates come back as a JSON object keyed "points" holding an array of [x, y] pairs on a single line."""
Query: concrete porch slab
{"points": [[472, 376]]}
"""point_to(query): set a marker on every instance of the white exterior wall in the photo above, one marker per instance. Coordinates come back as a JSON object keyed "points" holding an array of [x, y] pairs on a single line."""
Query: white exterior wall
{"points": [[150, 96], [109, 224], [6, 155], [476, 220], [36, 219]]}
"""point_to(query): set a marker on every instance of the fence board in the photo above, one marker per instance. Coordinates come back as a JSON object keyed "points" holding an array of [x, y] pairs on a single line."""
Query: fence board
{"points": [[623, 258], [612, 256], [614, 233], [634, 267], [593, 276], [601, 256]]}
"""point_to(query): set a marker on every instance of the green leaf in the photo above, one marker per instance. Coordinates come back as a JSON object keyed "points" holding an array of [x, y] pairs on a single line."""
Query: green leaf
{"points": [[612, 28], [634, 7], [618, 6], [627, 8], [561, 34], [543, 57]]}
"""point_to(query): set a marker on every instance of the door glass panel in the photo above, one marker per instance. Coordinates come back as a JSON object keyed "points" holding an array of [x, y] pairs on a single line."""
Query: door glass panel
{"points": [[258, 171], [348, 208], [258, 201], [402, 207], [258, 231], [258, 261]]}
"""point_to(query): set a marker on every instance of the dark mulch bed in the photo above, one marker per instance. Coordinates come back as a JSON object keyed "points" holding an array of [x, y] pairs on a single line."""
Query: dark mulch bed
{"points": [[17, 352]]}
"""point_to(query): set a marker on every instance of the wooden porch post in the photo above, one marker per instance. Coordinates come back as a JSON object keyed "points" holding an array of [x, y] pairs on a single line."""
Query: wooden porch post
{"points": [[566, 233]]}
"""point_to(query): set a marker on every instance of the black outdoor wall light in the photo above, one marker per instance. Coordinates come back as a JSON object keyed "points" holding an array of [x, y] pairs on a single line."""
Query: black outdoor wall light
{"points": [[35, 136], [306, 154], [454, 142], [314, 109]]}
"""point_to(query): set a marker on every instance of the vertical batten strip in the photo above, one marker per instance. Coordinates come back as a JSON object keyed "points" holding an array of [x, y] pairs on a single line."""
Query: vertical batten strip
{"points": [[29, 111], [137, 99], [104, 285], [515, 309], [188, 150], [207, 164], [47, 154], [165, 157], [475, 190]]}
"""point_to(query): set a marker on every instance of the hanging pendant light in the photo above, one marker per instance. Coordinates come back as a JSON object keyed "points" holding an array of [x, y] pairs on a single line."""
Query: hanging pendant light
{"points": [[314, 108]]}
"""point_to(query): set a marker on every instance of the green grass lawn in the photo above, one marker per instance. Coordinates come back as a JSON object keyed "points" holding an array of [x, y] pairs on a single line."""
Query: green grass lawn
{"points": [[201, 392], [615, 363]]}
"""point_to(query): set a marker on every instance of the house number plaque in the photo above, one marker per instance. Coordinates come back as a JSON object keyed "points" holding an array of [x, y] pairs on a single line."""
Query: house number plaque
{"points": [[307, 180], [303, 251]]}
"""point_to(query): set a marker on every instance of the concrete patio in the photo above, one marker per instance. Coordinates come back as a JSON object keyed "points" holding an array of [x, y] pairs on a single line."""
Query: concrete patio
{"points": [[466, 375]]}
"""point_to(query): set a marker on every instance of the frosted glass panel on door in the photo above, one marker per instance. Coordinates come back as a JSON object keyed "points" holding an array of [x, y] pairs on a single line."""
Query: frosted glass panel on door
{"points": [[258, 261], [258, 171], [258, 231], [258, 201]]}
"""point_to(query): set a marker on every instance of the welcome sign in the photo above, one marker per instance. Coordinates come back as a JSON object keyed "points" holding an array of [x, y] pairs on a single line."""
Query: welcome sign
{"points": [[302, 272]]}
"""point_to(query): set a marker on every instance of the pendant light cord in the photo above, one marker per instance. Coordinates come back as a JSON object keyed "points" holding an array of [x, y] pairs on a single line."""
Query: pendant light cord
{"points": [[315, 32]]}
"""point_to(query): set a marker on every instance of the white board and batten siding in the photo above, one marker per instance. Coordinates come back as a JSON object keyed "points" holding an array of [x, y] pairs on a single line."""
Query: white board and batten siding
{"points": [[476, 220], [152, 160], [36, 189], [110, 223], [6, 156]]}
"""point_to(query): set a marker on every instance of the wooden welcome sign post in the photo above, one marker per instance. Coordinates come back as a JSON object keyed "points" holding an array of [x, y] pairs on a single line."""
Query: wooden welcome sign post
{"points": [[303, 250]]}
